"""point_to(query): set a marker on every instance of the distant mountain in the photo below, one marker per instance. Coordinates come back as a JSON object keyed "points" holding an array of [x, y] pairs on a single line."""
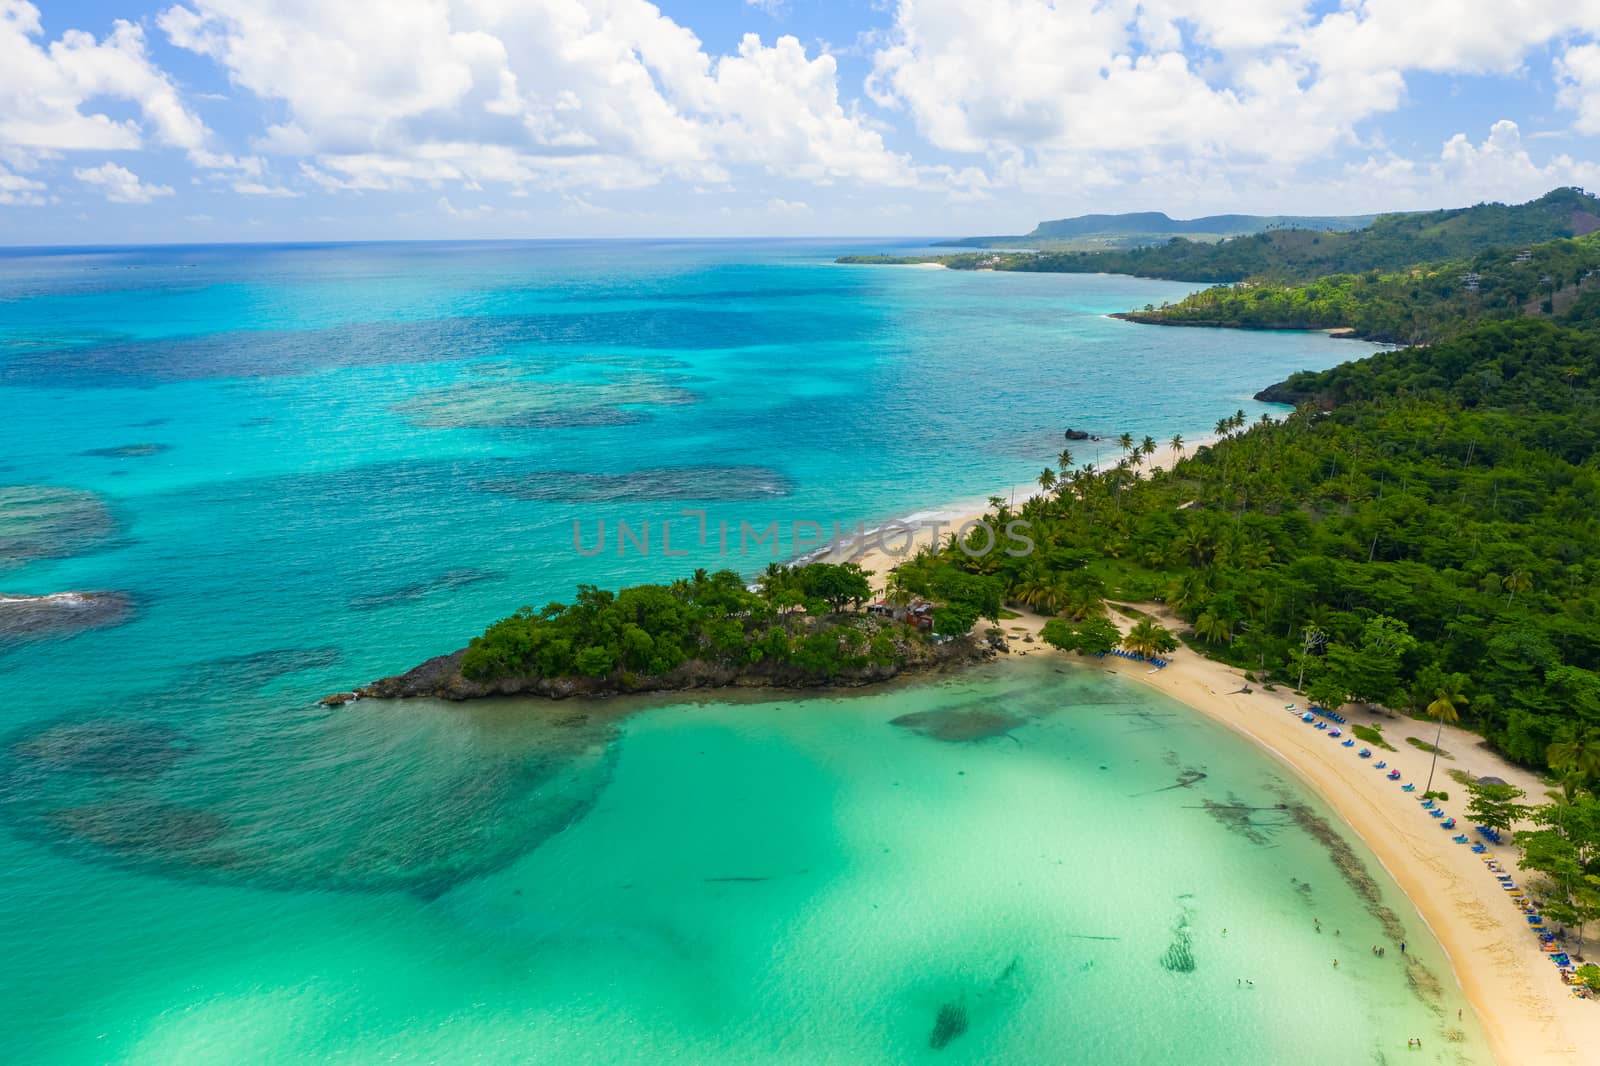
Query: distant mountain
{"points": [[1290, 256], [1137, 228], [1157, 222]]}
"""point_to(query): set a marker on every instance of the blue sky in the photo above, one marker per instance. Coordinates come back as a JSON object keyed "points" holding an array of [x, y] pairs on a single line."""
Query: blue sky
{"points": [[225, 120]]}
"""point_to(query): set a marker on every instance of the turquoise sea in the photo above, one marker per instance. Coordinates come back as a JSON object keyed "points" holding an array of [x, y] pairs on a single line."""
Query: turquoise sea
{"points": [[304, 467]]}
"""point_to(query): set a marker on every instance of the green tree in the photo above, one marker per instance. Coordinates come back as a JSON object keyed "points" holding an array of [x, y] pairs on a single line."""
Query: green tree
{"points": [[1515, 582], [1577, 756], [1495, 806], [954, 619], [1212, 628], [595, 661], [1149, 638], [1443, 710], [1092, 636]]}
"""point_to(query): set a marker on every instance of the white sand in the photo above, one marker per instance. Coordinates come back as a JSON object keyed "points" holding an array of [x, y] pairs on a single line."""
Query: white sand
{"points": [[1528, 1015]]}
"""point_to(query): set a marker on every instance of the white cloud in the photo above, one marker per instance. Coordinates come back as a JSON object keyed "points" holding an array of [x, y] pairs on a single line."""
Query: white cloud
{"points": [[778, 206], [1498, 168], [120, 185], [249, 165], [548, 93], [47, 92], [1108, 91], [256, 188], [1578, 73], [18, 190]]}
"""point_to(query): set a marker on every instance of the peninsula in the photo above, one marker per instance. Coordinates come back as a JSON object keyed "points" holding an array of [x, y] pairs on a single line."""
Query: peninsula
{"points": [[792, 630]]}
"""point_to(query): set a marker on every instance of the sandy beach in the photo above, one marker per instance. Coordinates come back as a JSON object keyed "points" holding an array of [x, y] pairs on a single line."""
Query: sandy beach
{"points": [[1527, 1014]]}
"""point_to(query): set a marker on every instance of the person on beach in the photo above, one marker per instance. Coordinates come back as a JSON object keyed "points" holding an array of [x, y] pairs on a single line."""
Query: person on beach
{"points": [[1402, 947], [1335, 964]]}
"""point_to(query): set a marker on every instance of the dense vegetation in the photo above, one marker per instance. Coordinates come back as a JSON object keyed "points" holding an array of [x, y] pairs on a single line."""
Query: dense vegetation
{"points": [[1418, 305], [1288, 256], [1425, 545], [796, 620]]}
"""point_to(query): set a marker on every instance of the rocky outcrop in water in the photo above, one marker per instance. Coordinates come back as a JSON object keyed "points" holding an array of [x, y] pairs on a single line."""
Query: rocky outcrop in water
{"points": [[60, 613], [441, 677]]}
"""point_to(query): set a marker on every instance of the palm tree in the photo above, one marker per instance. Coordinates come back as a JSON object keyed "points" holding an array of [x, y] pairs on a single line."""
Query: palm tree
{"points": [[1148, 445], [1312, 637], [1145, 638], [1515, 582], [1212, 628], [1126, 442], [1442, 709], [1223, 425], [1578, 756], [1064, 460], [1176, 444], [1047, 479]]}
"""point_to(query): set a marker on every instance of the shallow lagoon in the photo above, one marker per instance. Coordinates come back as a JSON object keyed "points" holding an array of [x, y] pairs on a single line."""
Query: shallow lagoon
{"points": [[267, 453]]}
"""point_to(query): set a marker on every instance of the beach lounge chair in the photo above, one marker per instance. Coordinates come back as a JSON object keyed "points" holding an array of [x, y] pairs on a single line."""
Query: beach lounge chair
{"points": [[1437, 812], [1448, 823], [1427, 803], [1348, 744], [1479, 848], [1460, 838], [1382, 764], [1365, 753]]}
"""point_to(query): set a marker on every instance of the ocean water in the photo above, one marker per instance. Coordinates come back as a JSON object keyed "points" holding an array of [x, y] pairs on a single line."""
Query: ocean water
{"points": [[305, 467]]}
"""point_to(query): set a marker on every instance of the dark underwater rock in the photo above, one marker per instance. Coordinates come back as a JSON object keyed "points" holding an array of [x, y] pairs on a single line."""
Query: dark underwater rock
{"points": [[950, 1023], [127, 451], [958, 726], [141, 827], [60, 613], [107, 747], [450, 579], [49, 522]]}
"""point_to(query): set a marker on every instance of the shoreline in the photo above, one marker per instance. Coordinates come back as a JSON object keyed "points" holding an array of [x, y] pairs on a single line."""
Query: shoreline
{"points": [[1525, 1012], [1527, 1017]]}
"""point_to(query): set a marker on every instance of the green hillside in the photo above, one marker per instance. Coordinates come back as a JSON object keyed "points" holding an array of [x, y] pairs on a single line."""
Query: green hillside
{"points": [[1392, 242]]}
